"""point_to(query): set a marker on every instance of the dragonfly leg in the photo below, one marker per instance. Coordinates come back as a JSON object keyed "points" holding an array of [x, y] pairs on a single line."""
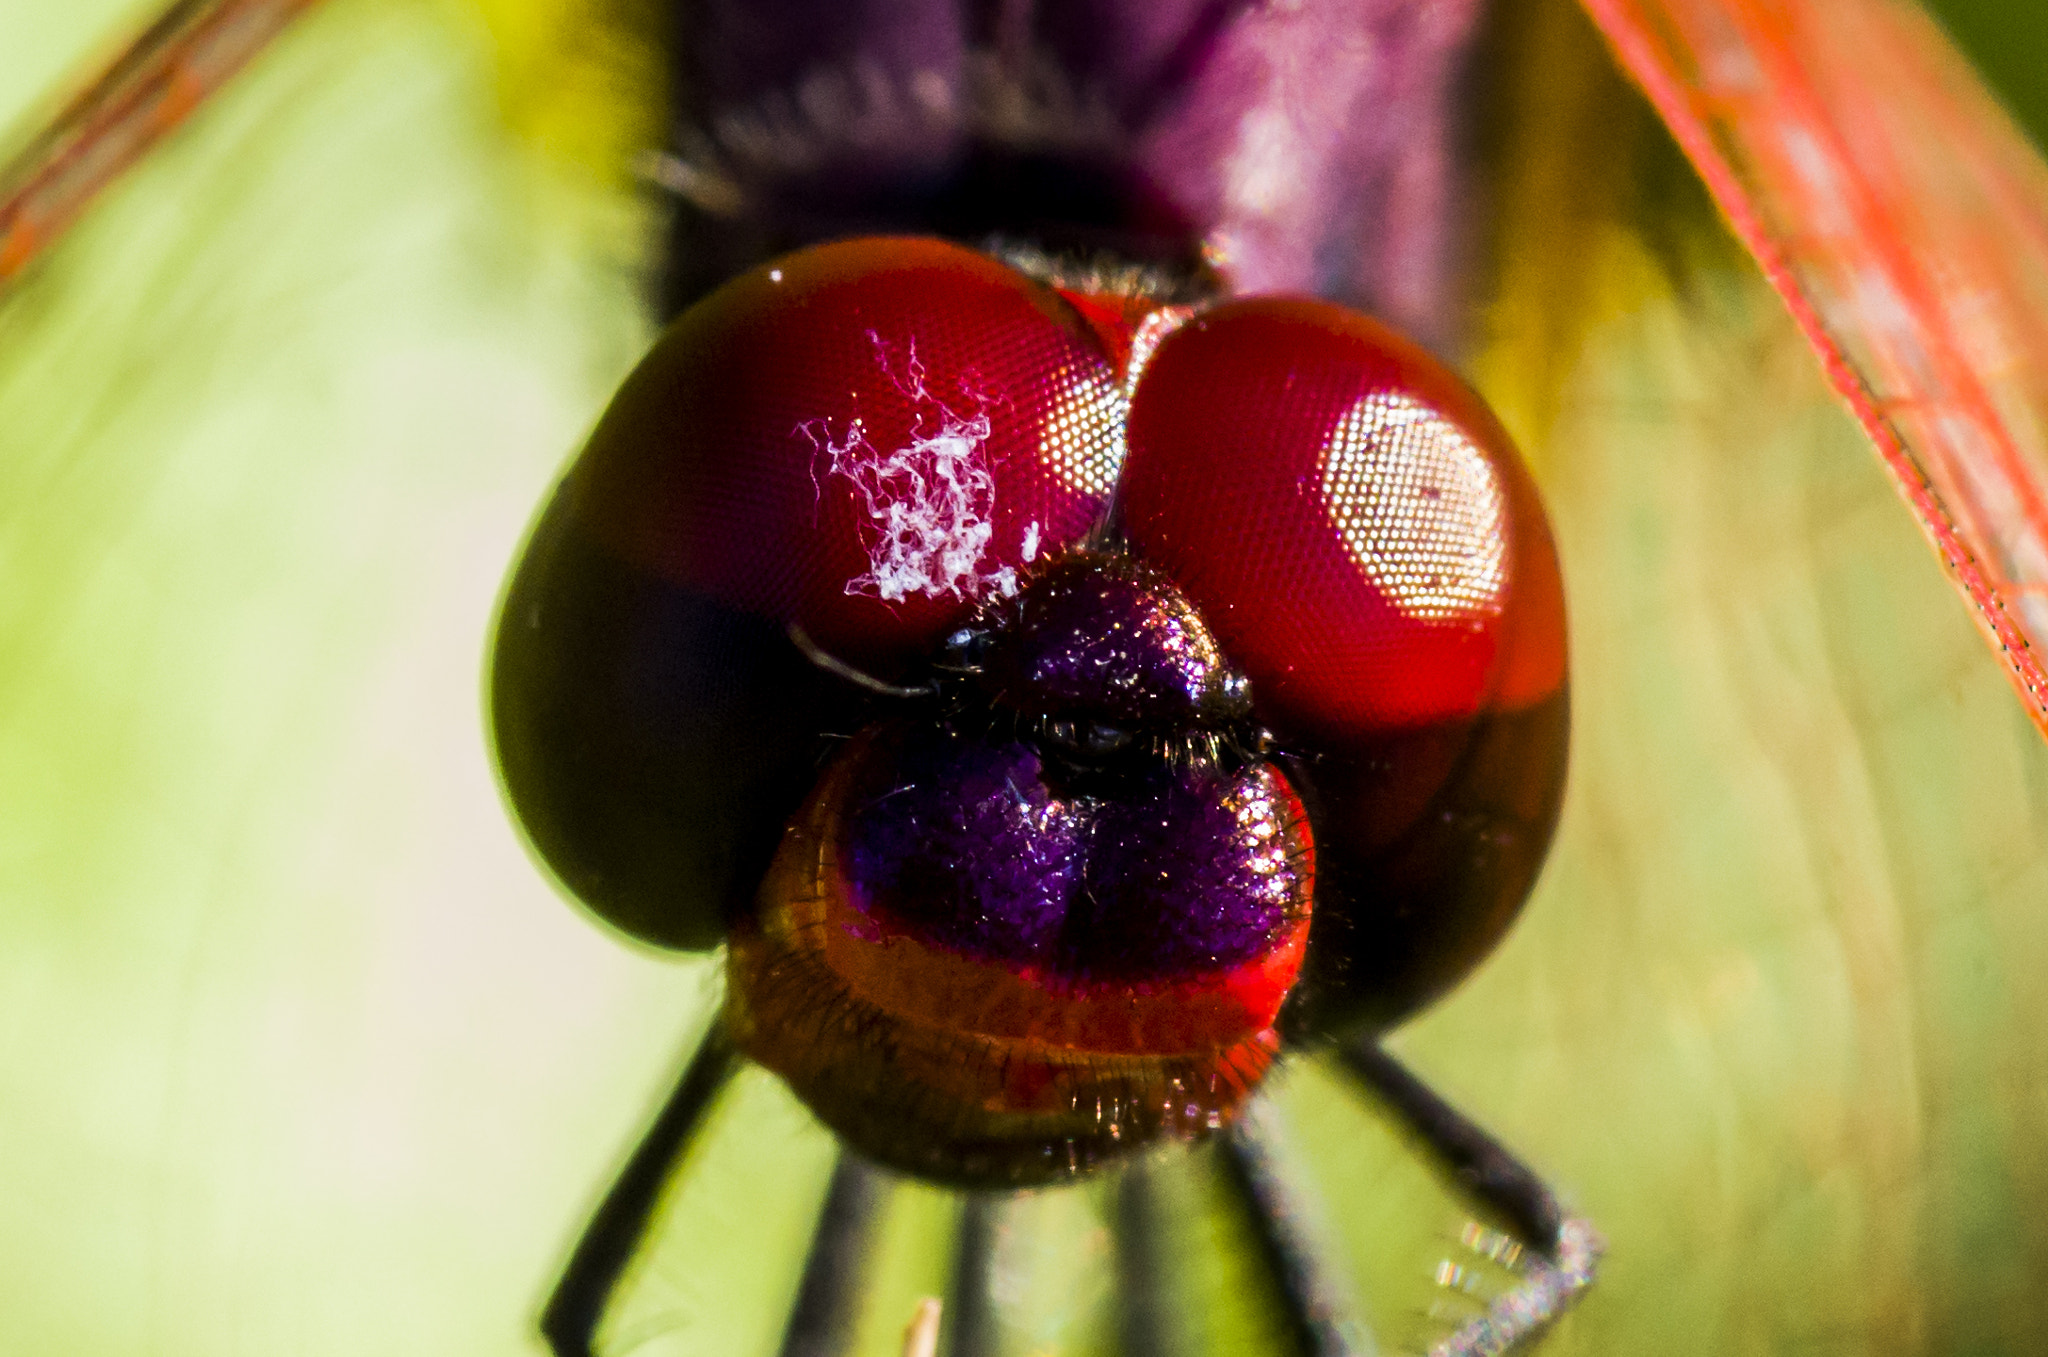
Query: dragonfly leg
{"points": [[821, 1323], [1148, 1319], [1319, 1309], [570, 1320], [1565, 1249], [970, 1316]]}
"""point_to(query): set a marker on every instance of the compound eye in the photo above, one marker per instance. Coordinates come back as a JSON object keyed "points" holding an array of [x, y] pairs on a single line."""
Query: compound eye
{"points": [[863, 439], [1349, 518]]}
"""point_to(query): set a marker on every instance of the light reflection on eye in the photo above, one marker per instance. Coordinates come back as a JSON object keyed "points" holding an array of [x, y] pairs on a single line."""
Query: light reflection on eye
{"points": [[1418, 506], [1155, 327], [1082, 438]]}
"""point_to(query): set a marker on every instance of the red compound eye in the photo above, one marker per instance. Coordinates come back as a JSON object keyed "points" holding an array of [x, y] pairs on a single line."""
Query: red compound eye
{"points": [[1349, 518], [863, 439]]}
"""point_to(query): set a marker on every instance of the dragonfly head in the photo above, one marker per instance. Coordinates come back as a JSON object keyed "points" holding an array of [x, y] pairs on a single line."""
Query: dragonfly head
{"points": [[1055, 699]]}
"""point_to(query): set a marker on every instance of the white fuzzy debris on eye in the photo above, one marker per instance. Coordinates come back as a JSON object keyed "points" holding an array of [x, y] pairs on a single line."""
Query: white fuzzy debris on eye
{"points": [[932, 501]]}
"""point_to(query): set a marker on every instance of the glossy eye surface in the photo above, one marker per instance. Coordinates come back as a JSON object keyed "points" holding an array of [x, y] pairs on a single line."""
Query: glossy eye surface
{"points": [[1359, 533], [862, 441], [1351, 520]]}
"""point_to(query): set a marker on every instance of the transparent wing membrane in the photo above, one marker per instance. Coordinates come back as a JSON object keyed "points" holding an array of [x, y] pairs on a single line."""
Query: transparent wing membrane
{"points": [[1904, 219], [155, 83]]}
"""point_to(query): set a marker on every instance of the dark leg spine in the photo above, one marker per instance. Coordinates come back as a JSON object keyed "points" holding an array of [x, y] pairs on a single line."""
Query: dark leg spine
{"points": [[1566, 1249], [1149, 1320], [970, 1319], [821, 1323], [1318, 1307], [570, 1320]]}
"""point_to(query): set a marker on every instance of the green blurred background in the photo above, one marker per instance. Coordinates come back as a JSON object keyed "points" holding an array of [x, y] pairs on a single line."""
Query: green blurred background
{"points": [[300, 1054]]}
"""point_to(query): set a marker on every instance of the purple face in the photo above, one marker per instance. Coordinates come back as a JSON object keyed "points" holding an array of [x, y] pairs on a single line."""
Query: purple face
{"points": [[982, 847], [1072, 865], [1088, 806], [1091, 809]]}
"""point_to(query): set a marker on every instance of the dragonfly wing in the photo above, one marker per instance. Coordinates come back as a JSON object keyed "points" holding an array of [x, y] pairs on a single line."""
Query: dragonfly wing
{"points": [[1904, 219], [147, 91]]}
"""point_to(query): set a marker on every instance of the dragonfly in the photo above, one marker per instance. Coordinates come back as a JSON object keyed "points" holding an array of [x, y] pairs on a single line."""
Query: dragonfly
{"points": [[661, 801], [1723, 983]]}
